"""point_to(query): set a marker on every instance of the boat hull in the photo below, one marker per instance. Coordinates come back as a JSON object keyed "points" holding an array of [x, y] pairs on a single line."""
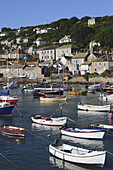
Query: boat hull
{"points": [[53, 98], [86, 134], [52, 122], [78, 93], [12, 131], [90, 157], [6, 111], [104, 108]]}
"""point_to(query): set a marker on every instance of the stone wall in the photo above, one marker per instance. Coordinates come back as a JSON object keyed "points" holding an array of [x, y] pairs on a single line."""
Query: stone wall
{"points": [[100, 80]]}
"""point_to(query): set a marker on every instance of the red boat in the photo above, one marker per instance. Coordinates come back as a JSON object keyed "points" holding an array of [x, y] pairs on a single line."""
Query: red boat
{"points": [[12, 131]]}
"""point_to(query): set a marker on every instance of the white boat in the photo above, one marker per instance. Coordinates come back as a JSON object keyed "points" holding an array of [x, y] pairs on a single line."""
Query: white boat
{"points": [[53, 98], [9, 99], [105, 97], [83, 133], [60, 121], [107, 128], [96, 108], [78, 155]]}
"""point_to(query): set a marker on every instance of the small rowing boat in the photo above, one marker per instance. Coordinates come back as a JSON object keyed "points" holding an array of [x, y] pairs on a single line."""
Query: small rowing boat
{"points": [[12, 131], [60, 121], [78, 155], [96, 108], [53, 98], [103, 127], [83, 133]]}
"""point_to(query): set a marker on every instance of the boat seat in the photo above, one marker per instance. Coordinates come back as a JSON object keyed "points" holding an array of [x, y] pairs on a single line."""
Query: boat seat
{"points": [[65, 150]]}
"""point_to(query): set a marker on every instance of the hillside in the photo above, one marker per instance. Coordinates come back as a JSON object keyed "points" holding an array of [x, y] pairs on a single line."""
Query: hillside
{"points": [[78, 29]]}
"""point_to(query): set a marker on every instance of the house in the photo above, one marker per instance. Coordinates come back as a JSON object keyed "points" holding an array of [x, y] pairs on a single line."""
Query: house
{"points": [[92, 44], [14, 55], [19, 40], [3, 34], [32, 49], [101, 64], [41, 31], [91, 21], [47, 53], [18, 71], [85, 68], [65, 50], [39, 41], [25, 40], [65, 39], [77, 60]]}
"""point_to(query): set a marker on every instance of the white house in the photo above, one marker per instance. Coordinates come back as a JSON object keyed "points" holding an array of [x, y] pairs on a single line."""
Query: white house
{"points": [[91, 21], [19, 40], [39, 42], [31, 50], [47, 53], [92, 44], [65, 39], [3, 34]]}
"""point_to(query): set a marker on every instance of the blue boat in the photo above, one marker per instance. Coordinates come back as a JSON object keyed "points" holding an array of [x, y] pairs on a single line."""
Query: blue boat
{"points": [[107, 128], [6, 109]]}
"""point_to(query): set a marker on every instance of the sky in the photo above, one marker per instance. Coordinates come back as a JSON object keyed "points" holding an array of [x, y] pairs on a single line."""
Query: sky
{"points": [[15, 14]]}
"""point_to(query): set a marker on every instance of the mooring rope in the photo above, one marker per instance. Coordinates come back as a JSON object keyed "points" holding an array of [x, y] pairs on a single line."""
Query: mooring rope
{"points": [[8, 160], [109, 152], [38, 136], [19, 111], [75, 122]]}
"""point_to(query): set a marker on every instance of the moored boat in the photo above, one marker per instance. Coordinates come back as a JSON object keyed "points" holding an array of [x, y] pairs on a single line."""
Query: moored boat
{"points": [[86, 107], [60, 121], [53, 98], [9, 99], [78, 92], [78, 155], [107, 128], [83, 133], [6, 109], [12, 131]]}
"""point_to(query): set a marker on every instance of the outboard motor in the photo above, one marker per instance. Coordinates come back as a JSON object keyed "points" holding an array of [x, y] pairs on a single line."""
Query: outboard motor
{"points": [[55, 142]]}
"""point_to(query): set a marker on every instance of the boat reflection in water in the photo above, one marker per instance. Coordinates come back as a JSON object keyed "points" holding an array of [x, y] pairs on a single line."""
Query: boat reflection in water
{"points": [[67, 165], [18, 140], [87, 143], [53, 129]]}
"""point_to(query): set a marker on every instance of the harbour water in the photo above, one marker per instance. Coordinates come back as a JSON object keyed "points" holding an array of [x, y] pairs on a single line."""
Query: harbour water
{"points": [[32, 153]]}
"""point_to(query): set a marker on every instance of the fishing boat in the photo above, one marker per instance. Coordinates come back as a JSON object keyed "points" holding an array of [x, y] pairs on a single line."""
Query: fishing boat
{"points": [[96, 108], [12, 131], [107, 128], [53, 98], [60, 121], [9, 99], [78, 155], [83, 133], [47, 93], [5, 109]]}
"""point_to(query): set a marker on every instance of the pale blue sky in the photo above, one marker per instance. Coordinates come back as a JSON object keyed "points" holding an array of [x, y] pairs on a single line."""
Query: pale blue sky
{"points": [[15, 14]]}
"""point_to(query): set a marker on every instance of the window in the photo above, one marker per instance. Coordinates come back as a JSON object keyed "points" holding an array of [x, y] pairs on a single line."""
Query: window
{"points": [[104, 64], [95, 64], [95, 69], [99, 64]]}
